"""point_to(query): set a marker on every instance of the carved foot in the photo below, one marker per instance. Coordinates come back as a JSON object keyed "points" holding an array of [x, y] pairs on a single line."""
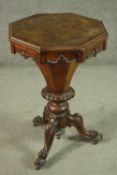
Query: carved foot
{"points": [[50, 131], [92, 136], [37, 121], [41, 160]]}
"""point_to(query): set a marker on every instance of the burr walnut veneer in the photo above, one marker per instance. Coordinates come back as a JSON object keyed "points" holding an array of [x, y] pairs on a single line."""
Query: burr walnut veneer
{"points": [[58, 43]]}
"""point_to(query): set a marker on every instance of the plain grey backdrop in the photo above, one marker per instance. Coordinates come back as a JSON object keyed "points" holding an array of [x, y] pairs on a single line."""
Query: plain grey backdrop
{"points": [[21, 82]]}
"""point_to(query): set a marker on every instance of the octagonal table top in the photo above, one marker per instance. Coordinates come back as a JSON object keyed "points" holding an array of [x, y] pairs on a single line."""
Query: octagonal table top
{"points": [[60, 31]]}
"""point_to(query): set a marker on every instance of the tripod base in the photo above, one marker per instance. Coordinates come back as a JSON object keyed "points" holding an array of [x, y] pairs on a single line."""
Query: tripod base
{"points": [[57, 116]]}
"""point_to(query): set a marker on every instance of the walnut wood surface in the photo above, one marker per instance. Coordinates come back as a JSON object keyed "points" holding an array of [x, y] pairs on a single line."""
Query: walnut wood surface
{"points": [[47, 36], [58, 31]]}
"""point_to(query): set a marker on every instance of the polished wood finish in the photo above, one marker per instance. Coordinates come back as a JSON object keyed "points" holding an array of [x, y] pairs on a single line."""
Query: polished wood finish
{"points": [[47, 36], [58, 43]]}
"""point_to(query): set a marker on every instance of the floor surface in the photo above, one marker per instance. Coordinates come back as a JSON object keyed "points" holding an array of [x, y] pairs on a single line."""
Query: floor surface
{"points": [[20, 101]]}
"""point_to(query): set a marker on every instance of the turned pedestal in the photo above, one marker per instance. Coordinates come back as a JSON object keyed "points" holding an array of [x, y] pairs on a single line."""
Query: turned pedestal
{"points": [[58, 43]]}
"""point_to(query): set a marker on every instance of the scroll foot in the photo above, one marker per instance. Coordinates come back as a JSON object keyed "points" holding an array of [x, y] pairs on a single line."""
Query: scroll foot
{"points": [[50, 131], [37, 121], [92, 136], [41, 160]]}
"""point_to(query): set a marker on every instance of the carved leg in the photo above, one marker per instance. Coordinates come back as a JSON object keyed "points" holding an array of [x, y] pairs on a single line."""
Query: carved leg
{"points": [[76, 120], [50, 132], [37, 121]]}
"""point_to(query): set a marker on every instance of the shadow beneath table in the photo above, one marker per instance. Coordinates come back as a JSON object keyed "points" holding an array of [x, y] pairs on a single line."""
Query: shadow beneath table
{"points": [[66, 150]]}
